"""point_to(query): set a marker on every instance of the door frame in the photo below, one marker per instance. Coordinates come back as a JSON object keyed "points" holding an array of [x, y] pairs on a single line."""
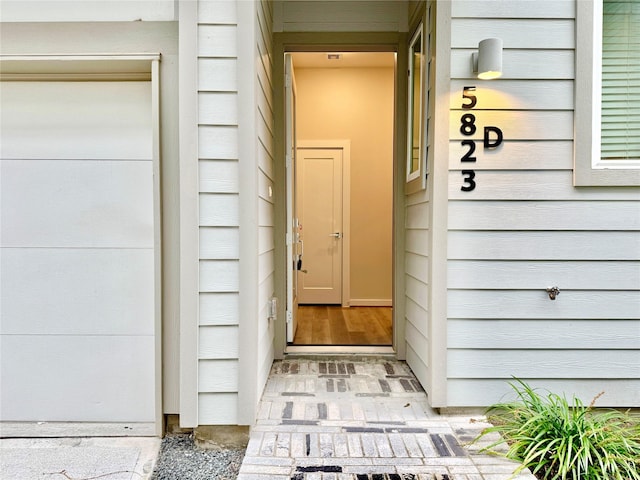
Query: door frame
{"points": [[345, 146], [396, 42]]}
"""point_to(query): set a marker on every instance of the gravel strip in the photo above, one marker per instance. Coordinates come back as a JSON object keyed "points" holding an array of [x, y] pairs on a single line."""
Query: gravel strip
{"points": [[181, 459]]}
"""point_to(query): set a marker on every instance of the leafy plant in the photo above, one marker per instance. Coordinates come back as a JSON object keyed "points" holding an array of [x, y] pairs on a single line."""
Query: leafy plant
{"points": [[562, 441]]}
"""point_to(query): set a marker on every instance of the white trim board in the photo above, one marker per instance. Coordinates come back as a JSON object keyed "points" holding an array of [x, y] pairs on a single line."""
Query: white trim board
{"points": [[438, 295], [248, 394], [189, 213]]}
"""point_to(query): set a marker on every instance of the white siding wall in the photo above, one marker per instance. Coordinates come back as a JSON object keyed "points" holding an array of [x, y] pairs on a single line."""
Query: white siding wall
{"points": [[525, 227], [417, 247], [416, 285], [218, 345], [84, 11]]}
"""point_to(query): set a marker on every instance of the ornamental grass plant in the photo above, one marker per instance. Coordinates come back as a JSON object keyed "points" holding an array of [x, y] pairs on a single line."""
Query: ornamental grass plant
{"points": [[559, 440]]}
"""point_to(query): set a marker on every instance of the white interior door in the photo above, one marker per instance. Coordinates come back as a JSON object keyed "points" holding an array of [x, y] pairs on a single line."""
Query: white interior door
{"points": [[319, 203], [77, 339], [293, 244]]}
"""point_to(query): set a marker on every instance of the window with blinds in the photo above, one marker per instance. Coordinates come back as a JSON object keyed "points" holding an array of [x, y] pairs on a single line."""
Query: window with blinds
{"points": [[620, 125]]}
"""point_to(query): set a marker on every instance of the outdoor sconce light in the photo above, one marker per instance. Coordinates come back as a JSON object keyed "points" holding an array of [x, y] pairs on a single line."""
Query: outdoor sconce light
{"points": [[487, 61]]}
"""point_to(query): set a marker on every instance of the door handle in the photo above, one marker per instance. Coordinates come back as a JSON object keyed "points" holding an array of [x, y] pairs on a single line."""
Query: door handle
{"points": [[336, 234]]}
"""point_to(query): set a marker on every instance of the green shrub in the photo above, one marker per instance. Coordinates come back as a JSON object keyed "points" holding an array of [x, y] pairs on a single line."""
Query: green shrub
{"points": [[562, 441]]}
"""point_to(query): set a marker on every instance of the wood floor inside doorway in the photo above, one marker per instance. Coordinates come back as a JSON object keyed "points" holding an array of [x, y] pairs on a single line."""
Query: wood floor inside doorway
{"points": [[334, 325]]}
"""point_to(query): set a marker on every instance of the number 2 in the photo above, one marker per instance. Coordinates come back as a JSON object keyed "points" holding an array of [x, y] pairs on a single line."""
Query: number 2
{"points": [[472, 148]]}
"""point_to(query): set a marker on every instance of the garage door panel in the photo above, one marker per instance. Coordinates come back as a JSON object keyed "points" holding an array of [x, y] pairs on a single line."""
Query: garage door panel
{"points": [[77, 378], [77, 291], [77, 248], [76, 203], [76, 120]]}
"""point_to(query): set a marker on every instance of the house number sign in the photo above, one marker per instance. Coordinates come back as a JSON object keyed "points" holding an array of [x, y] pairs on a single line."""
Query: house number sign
{"points": [[492, 137]]}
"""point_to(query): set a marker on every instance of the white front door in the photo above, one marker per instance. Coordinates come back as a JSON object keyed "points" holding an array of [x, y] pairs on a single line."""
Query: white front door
{"points": [[77, 339], [293, 237], [319, 203]]}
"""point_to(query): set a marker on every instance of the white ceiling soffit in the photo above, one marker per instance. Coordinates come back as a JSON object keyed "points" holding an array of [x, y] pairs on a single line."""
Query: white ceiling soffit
{"points": [[346, 60]]}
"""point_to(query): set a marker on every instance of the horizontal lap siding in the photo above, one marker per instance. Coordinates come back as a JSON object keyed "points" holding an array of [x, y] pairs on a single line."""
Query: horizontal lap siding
{"points": [[535, 303], [525, 228], [416, 281], [264, 162], [417, 247], [219, 213]]}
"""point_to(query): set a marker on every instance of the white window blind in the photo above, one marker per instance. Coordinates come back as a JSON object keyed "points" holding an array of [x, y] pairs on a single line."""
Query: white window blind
{"points": [[620, 80]]}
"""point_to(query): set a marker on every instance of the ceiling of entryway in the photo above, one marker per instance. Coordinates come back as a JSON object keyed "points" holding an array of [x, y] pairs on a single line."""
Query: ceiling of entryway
{"points": [[346, 60]]}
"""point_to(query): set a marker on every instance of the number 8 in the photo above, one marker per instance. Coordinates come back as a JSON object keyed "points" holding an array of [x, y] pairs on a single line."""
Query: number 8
{"points": [[467, 124]]}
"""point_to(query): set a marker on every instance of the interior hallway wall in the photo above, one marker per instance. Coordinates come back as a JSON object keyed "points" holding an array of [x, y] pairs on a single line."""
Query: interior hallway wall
{"points": [[357, 104]]}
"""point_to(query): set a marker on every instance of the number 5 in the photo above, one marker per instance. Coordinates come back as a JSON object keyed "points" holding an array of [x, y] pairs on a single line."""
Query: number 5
{"points": [[472, 98]]}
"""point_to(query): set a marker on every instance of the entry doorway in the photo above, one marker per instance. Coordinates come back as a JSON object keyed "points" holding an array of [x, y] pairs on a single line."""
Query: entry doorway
{"points": [[342, 199]]}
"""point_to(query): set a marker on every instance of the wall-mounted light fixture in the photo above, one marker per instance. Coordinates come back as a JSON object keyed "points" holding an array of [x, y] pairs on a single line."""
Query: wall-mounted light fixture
{"points": [[487, 61]]}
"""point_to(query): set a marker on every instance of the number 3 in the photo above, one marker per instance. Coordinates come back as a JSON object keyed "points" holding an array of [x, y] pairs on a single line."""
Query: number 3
{"points": [[469, 176]]}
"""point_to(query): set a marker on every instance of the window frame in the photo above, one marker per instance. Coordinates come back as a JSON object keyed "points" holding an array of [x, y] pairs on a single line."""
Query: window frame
{"points": [[588, 168], [415, 179]]}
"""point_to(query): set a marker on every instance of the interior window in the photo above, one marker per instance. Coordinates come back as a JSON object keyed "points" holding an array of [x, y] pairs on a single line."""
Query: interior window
{"points": [[620, 127]]}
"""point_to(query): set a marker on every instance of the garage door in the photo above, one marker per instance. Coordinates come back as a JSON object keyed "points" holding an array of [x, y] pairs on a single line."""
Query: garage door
{"points": [[77, 251]]}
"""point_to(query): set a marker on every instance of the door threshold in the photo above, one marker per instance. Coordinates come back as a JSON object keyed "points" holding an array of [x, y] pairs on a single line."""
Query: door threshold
{"points": [[338, 350]]}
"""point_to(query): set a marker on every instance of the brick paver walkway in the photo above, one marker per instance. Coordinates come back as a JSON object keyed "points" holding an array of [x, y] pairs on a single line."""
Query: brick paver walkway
{"points": [[364, 419]]}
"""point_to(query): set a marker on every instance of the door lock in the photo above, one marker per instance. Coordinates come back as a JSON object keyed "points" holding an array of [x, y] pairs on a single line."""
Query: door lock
{"points": [[336, 234]]}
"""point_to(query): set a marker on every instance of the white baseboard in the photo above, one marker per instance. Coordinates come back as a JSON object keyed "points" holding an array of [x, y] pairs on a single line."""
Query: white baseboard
{"points": [[370, 302]]}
